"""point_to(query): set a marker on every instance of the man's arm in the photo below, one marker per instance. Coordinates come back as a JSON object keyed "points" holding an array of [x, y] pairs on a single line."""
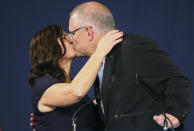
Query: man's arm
{"points": [[174, 85]]}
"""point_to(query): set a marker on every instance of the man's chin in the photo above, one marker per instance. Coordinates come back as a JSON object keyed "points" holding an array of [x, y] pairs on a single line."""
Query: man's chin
{"points": [[79, 54]]}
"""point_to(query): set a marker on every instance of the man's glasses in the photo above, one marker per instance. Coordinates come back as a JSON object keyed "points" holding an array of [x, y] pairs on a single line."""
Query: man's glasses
{"points": [[72, 33]]}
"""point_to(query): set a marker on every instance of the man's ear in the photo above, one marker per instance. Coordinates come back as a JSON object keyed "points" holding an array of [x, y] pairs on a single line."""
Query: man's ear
{"points": [[90, 34]]}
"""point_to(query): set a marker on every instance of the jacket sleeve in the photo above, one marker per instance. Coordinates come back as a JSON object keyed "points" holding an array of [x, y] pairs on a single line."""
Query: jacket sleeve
{"points": [[166, 78]]}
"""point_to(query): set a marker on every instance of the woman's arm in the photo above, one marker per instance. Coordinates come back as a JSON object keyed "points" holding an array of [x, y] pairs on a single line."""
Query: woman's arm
{"points": [[64, 94]]}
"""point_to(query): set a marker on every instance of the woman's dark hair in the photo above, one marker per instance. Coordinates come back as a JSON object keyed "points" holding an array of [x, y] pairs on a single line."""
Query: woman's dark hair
{"points": [[45, 53]]}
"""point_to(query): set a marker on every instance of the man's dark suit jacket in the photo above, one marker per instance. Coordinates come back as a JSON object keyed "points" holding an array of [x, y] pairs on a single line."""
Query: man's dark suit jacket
{"points": [[140, 81]]}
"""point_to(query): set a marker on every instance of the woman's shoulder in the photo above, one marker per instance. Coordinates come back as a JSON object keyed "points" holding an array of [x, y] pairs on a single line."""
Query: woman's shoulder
{"points": [[45, 81], [46, 78]]}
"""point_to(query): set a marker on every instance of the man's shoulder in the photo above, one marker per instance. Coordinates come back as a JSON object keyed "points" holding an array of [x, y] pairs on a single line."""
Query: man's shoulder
{"points": [[134, 43], [136, 38], [138, 41]]}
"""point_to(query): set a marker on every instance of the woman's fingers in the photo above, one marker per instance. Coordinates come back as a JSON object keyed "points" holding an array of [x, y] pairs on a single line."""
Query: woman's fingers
{"points": [[117, 41], [108, 41]]}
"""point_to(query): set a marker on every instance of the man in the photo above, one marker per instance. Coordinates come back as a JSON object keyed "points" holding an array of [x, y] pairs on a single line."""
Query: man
{"points": [[141, 88]]}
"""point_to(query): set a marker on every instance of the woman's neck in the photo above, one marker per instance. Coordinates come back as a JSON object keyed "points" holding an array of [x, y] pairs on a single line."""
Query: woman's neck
{"points": [[65, 65]]}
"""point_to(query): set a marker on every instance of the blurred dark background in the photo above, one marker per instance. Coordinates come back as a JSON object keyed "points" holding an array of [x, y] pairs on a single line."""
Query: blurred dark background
{"points": [[169, 22]]}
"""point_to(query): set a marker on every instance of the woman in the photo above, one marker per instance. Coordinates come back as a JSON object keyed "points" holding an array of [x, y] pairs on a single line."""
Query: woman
{"points": [[55, 97]]}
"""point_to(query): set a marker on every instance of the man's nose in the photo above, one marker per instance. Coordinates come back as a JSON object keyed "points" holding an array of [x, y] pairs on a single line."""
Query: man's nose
{"points": [[71, 41]]}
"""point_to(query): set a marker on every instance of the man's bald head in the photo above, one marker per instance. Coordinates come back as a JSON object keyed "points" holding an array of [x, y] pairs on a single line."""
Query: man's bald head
{"points": [[93, 14]]}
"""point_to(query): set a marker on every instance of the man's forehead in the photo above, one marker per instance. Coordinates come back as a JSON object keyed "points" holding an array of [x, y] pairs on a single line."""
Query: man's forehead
{"points": [[71, 22]]}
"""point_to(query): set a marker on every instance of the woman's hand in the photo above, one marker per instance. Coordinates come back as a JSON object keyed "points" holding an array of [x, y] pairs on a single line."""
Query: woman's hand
{"points": [[108, 41], [32, 121]]}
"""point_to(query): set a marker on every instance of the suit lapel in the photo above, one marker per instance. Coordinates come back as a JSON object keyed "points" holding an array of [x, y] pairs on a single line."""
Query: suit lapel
{"points": [[107, 73], [108, 69], [107, 80]]}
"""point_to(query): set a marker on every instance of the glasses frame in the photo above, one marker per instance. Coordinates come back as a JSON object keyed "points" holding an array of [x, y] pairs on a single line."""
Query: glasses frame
{"points": [[72, 33]]}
